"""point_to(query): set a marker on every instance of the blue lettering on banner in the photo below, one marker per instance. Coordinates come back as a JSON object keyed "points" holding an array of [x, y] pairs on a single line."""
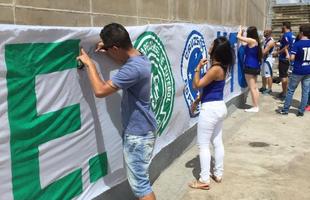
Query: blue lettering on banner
{"points": [[194, 51], [240, 52]]}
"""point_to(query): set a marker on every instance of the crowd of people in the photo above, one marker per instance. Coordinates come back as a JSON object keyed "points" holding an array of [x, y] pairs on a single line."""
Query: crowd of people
{"points": [[294, 55], [134, 78]]}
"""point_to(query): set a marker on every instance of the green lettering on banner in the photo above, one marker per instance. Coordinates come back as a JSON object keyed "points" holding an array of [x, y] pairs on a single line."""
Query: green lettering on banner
{"points": [[163, 84], [96, 169], [28, 129]]}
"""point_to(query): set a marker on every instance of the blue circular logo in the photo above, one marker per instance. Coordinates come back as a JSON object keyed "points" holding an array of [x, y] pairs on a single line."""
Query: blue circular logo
{"points": [[194, 51]]}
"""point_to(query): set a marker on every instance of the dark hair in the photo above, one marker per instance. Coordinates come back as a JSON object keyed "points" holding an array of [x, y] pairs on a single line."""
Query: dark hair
{"points": [[115, 35], [287, 25], [305, 30], [298, 37], [223, 52], [252, 33]]}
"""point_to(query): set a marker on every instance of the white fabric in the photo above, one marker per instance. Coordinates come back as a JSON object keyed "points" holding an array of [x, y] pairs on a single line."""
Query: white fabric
{"points": [[100, 118]]}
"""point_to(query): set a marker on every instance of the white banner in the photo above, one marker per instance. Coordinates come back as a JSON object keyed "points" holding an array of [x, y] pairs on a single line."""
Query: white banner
{"points": [[57, 140]]}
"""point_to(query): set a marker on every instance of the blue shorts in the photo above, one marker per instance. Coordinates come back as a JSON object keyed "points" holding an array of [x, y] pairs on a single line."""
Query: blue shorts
{"points": [[137, 154]]}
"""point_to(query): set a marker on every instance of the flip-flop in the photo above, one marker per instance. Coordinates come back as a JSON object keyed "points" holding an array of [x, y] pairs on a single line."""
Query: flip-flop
{"points": [[198, 185]]}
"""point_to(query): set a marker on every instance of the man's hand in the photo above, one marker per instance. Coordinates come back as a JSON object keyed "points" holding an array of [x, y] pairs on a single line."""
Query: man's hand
{"points": [[84, 58], [99, 47], [275, 54]]}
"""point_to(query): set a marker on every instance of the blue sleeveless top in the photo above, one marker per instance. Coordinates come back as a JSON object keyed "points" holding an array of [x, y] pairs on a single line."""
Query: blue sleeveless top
{"points": [[251, 57], [213, 92]]}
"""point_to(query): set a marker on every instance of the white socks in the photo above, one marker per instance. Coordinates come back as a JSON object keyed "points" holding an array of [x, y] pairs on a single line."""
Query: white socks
{"points": [[253, 109]]}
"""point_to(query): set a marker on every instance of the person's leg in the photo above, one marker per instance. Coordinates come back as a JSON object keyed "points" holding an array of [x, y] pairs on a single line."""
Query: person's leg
{"points": [[284, 83], [137, 155], [308, 104], [269, 74], [205, 129], [217, 143], [150, 196], [283, 73], [269, 83], [305, 86], [264, 84], [251, 81], [293, 83]]}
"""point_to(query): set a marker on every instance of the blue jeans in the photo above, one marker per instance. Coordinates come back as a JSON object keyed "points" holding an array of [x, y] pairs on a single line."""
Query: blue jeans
{"points": [[137, 154], [292, 85]]}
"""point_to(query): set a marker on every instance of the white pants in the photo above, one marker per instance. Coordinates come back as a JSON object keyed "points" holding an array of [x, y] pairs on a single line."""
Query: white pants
{"points": [[210, 123]]}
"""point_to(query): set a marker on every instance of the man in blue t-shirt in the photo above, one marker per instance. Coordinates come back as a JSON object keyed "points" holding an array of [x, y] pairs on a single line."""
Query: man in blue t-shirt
{"points": [[300, 54], [139, 124], [286, 44]]}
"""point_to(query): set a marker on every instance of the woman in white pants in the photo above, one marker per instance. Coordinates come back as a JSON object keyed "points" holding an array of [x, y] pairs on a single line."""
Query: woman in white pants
{"points": [[213, 111]]}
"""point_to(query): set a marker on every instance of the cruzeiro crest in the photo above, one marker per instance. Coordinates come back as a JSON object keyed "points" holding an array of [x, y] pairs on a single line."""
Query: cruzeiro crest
{"points": [[194, 51], [163, 86]]}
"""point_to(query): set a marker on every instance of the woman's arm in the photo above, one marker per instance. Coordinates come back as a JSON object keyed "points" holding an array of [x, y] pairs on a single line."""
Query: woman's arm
{"points": [[210, 76], [250, 41]]}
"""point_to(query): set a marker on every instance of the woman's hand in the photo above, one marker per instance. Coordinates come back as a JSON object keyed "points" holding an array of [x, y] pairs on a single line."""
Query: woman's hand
{"points": [[202, 63], [194, 107], [195, 104], [241, 30]]}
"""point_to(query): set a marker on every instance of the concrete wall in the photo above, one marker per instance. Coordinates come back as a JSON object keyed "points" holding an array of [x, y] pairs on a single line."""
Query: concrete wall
{"points": [[132, 12]]}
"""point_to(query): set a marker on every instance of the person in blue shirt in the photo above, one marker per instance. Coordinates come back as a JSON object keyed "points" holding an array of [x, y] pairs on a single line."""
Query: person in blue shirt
{"points": [[286, 44], [300, 54], [213, 110], [139, 124], [252, 62]]}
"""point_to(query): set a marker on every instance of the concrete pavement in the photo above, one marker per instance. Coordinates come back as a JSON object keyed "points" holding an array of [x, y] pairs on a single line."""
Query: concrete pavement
{"points": [[278, 170]]}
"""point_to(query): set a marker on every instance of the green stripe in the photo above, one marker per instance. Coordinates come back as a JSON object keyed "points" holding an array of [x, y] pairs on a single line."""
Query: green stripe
{"points": [[98, 167]]}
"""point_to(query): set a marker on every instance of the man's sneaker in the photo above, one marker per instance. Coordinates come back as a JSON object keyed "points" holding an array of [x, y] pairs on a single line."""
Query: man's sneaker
{"points": [[282, 112], [253, 109], [262, 89], [300, 114], [267, 91], [307, 108]]}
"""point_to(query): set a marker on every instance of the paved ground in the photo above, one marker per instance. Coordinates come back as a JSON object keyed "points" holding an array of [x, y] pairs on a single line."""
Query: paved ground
{"points": [[279, 171]]}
